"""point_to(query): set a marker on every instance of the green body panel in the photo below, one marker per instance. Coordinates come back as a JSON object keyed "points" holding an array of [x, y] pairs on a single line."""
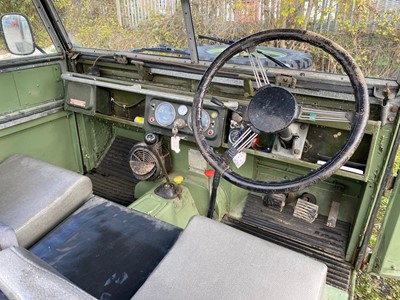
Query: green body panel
{"points": [[194, 200], [332, 293], [28, 87], [53, 138], [176, 211], [377, 163], [386, 259], [95, 137], [9, 95], [37, 85]]}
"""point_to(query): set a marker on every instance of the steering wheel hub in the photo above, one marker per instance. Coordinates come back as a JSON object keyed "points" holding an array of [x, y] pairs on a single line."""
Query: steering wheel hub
{"points": [[272, 109]]}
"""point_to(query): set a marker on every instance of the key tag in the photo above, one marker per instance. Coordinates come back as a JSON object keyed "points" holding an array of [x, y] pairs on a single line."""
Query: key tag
{"points": [[175, 144], [239, 159]]}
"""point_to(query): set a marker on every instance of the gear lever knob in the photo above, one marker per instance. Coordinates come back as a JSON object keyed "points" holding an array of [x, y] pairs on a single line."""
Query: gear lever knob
{"points": [[150, 139]]}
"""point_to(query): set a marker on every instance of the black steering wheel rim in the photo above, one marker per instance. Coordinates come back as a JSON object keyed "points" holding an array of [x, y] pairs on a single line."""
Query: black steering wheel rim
{"points": [[355, 135]]}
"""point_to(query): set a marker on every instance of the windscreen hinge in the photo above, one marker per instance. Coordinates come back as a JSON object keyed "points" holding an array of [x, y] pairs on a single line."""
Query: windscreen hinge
{"points": [[143, 72], [389, 109], [121, 59], [72, 55], [285, 81], [384, 93]]}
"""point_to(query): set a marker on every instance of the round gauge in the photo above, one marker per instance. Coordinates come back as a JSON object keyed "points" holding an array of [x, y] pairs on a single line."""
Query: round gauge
{"points": [[182, 110], [205, 120], [165, 114]]}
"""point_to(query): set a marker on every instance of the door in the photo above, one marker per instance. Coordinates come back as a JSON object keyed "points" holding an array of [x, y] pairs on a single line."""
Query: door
{"points": [[32, 118], [385, 259]]}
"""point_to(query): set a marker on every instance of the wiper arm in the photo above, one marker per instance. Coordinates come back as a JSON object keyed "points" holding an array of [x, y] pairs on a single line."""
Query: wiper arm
{"points": [[230, 42], [164, 49], [217, 39]]}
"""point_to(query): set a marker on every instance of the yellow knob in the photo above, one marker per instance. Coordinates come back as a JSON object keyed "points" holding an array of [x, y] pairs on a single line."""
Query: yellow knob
{"points": [[139, 120], [178, 179]]}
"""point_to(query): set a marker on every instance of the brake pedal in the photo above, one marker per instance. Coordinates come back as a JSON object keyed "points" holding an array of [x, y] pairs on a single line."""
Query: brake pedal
{"points": [[305, 210]]}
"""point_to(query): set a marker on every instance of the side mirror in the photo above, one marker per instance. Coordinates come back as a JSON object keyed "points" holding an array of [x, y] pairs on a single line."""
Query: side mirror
{"points": [[17, 34]]}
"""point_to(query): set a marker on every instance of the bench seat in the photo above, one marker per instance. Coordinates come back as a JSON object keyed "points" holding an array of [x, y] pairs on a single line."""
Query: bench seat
{"points": [[209, 260]]}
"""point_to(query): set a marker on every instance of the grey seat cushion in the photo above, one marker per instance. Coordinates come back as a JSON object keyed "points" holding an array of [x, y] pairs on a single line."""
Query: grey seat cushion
{"points": [[35, 196], [7, 236], [24, 276], [211, 260]]}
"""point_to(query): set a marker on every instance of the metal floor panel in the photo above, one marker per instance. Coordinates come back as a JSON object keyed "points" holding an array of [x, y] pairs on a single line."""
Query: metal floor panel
{"points": [[113, 178], [316, 240]]}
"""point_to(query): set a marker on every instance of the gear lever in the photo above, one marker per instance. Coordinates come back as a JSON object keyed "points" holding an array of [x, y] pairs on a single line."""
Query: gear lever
{"points": [[167, 190]]}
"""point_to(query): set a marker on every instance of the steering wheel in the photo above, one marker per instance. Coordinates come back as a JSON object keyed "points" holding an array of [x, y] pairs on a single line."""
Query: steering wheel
{"points": [[273, 109]]}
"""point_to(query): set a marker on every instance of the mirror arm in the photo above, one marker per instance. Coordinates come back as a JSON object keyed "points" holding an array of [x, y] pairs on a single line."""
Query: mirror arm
{"points": [[39, 48]]}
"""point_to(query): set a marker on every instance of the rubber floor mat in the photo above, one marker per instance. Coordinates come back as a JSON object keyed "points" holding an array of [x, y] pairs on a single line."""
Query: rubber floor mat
{"points": [[113, 178]]}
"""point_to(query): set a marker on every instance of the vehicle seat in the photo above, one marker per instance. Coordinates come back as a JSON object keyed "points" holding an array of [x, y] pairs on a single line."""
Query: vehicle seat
{"points": [[35, 196], [211, 260], [24, 276]]}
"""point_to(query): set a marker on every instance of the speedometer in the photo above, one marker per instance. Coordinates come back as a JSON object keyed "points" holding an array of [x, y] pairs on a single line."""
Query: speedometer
{"points": [[205, 120], [165, 114]]}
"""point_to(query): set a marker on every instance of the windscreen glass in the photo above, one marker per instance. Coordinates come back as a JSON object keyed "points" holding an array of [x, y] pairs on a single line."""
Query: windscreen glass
{"points": [[138, 26], [368, 29]]}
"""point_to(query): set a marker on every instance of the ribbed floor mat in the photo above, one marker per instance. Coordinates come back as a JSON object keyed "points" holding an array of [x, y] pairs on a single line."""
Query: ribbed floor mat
{"points": [[113, 178], [315, 240]]}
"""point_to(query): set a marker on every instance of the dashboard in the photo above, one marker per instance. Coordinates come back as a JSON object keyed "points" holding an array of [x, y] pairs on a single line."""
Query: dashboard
{"points": [[167, 117]]}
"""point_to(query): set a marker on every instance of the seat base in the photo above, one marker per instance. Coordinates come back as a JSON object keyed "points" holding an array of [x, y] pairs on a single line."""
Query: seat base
{"points": [[211, 260], [106, 249]]}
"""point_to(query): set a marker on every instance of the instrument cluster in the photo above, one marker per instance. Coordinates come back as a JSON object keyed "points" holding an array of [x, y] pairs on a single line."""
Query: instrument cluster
{"points": [[173, 117]]}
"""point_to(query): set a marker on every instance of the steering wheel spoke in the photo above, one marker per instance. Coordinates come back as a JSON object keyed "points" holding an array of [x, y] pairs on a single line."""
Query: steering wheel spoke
{"points": [[244, 141], [257, 66]]}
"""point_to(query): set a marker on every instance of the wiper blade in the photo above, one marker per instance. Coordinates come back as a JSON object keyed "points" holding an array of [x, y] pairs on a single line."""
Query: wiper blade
{"points": [[230, 42], [163, 49], [217, 39]]}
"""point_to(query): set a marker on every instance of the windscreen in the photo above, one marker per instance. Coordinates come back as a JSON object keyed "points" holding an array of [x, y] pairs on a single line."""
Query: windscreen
{"points": [[139, 26], [368, 29]]}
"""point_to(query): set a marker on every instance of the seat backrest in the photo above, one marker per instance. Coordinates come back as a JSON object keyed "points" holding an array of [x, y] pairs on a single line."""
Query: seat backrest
{"points": [[35, 196]]}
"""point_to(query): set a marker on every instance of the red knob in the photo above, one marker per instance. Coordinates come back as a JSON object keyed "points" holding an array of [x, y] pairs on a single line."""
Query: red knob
{"points": [[209, 173]]}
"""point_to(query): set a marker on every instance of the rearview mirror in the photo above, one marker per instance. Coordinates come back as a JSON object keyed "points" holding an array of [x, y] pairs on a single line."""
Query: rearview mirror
{"points": [[17, 34]]}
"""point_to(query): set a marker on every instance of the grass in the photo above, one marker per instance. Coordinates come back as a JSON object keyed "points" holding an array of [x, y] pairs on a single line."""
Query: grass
{"points": [[371, 287]]}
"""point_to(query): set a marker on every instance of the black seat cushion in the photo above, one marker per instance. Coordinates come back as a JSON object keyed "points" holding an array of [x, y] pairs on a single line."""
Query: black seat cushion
{"points": [[106, 249]]}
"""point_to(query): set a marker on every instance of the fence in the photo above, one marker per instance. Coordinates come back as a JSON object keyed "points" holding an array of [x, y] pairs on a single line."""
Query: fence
{"points": [[131, 12], [318, 15]]}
